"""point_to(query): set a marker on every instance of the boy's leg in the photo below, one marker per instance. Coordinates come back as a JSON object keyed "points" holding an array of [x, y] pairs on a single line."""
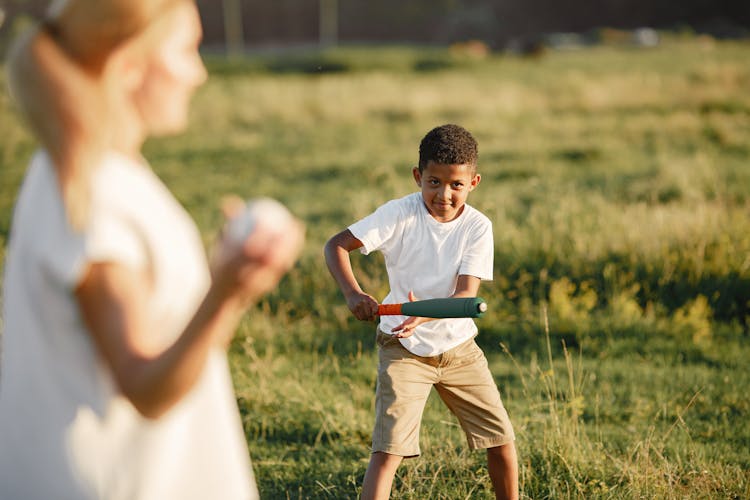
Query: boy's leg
{"points": [[469, 390], [502, 464], [379, 476], [403, 386]]}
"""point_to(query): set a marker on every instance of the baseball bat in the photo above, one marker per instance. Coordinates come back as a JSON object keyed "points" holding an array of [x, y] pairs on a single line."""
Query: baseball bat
{"points": [[462, 307]]}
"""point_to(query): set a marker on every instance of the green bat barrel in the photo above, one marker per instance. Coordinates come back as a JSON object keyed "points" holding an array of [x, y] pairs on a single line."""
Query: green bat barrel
{"points": [[469, 307]]}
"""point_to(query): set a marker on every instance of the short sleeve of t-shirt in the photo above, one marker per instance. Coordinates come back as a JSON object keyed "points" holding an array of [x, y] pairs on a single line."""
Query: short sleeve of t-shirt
{"points": [[479, 251], [110, 233], [378, 230], [61, 252], [112, 237], [113, 234]]}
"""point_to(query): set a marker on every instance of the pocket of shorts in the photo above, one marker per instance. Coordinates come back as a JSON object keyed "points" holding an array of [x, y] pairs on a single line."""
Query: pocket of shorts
{"points": [[384, 340]]}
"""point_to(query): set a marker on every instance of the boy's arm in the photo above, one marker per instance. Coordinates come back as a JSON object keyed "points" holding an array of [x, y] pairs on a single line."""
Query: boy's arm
{"points": [[336, 251], [467, 286]]}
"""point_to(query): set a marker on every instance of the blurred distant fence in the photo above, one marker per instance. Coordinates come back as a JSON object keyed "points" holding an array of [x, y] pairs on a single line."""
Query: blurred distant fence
{"points": [[238, 24]]}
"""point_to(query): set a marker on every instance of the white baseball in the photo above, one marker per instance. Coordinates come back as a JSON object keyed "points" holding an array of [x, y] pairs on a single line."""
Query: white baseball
{"points": [[269, 213]]}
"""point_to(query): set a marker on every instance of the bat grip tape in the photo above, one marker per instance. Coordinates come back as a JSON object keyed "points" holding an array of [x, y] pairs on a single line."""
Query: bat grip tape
{"points": [[389, 309]]}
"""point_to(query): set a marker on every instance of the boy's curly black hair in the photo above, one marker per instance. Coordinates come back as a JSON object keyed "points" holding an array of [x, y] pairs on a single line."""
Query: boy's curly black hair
{"points": [[449, 145]]}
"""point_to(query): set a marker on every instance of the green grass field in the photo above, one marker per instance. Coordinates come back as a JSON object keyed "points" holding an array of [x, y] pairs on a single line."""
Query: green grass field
{"points": [[618, 183]]}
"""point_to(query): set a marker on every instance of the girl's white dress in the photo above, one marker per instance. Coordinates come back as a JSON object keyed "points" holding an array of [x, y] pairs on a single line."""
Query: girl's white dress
{"points": [[65, 431]]}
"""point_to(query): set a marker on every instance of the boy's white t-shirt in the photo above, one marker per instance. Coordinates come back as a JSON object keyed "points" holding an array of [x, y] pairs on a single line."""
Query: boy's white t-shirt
{"points": [[426, 257], [65, 430]]}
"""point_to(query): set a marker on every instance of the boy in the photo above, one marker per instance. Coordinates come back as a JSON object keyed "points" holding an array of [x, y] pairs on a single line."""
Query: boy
{"points": [[435, 245]]}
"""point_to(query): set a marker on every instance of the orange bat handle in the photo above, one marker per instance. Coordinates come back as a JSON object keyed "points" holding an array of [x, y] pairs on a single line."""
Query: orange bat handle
{"points": [[389, 309]]}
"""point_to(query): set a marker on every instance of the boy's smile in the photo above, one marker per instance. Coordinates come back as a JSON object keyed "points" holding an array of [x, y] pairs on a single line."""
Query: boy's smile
{"points": [[445, 188]]}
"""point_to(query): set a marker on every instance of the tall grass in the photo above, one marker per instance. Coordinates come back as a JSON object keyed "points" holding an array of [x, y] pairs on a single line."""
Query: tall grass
{"points": [[573, 458]]}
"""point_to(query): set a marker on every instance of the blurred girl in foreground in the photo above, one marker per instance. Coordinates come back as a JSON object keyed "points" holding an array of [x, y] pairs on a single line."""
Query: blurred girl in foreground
{"points": [[114, 380]]}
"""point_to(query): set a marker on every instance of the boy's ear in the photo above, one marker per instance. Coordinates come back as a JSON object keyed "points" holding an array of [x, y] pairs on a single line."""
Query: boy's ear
{"points": [[417, 176], [475, 182]]}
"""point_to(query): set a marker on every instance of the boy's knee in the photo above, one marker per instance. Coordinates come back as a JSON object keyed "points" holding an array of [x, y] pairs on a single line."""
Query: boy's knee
{"points": [[386, 460], [503, 452]]}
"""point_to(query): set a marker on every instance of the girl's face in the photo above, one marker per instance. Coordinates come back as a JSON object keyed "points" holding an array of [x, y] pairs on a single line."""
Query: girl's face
{"points": [[174, 70]]}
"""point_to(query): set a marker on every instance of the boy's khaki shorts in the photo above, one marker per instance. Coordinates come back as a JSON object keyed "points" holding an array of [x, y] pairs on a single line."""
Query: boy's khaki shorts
{"points": [[463, 381]]}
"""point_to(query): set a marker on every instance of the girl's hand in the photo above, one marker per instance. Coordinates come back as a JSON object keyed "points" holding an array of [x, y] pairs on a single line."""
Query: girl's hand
{"points": [[245, 271]]}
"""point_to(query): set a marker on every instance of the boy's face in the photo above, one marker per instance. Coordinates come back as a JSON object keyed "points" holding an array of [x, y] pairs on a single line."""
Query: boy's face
{"points": [[445, 188]]}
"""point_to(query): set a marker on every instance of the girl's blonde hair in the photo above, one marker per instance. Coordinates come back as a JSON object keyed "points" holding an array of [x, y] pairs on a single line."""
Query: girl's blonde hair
{"points": [[54, 75]]}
